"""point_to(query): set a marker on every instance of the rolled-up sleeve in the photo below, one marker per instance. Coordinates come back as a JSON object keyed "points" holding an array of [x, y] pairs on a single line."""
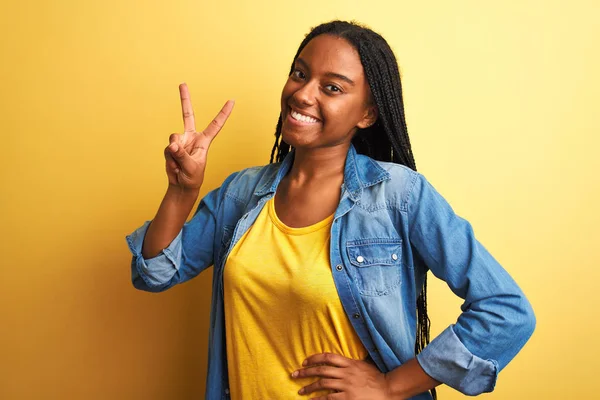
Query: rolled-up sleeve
{"points": [[155, 273], [496, 319], [187, 255]]}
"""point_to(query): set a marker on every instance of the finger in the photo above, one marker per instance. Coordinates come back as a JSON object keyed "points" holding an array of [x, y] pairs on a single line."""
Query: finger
{"points": [[322, 370], [216, 124], [175, 138], [323, 384], [182, 158], [186, 109], [171, 164], [175, 142], [336, 360]]}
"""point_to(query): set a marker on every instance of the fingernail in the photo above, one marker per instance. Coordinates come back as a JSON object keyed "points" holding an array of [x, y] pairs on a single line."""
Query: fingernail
{"points": [[294, 374], [304, 363], [301, 391], [174, 147]]}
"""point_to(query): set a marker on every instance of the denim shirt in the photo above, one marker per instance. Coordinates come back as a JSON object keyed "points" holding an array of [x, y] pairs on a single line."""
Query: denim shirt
{"points": [[390, 227]]}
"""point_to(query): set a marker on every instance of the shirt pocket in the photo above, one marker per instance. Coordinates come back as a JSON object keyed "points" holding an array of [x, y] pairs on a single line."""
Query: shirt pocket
{"points": [[375, 265]]}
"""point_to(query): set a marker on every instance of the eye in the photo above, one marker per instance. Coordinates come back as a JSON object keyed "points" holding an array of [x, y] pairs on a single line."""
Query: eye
{"points": [[333, 88], [298, 74]]}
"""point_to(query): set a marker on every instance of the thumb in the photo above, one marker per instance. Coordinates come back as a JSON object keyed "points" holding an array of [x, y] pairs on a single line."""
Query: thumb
{"points": [[183, 159]]}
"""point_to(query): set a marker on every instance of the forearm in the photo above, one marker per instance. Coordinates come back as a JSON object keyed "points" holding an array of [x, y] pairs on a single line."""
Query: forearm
{"points": [[409, 380], [170, 217]]}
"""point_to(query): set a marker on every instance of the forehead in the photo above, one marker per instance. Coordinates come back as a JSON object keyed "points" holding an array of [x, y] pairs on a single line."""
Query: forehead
{"points": [[328, 53]]}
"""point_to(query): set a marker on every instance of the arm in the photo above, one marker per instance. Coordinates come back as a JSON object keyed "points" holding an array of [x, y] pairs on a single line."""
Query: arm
{"points": [[166, 225], [496, 318], [188, 253], [155, 266], [408, 380]]}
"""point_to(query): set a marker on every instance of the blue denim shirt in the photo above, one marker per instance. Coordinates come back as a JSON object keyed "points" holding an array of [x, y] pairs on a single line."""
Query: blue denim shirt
{"points": [[390, 227]]}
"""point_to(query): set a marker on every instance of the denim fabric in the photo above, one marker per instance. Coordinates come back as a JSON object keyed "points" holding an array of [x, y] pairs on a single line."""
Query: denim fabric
{"points": [[391, 226]]}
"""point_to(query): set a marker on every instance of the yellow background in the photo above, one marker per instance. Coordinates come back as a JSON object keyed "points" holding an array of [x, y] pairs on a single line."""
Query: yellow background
{"points": [[502, 105]]}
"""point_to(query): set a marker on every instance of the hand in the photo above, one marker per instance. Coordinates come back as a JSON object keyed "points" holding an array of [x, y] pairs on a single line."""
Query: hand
{"points": [[186, 153], [350, 379]]}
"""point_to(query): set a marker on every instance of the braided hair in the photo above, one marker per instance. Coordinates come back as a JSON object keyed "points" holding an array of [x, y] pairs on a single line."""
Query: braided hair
{"points": [[387, 139]]}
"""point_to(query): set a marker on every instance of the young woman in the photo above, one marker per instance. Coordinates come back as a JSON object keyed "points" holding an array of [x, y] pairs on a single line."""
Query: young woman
{"points": [[321, 257]]}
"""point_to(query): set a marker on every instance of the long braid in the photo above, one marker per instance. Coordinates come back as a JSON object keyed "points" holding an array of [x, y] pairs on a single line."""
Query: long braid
{"points": [[276, 146], [387, 139]]}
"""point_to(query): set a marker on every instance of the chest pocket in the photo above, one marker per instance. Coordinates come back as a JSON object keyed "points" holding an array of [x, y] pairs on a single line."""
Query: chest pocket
{"points": [[376, 265]]}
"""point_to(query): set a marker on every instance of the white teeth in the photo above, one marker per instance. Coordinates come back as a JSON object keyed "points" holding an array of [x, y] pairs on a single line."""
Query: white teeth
{"points": [[304, 118]]}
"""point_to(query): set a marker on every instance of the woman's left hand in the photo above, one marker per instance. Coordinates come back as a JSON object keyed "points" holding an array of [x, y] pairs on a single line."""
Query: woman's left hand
{"points": [[350, 379]]}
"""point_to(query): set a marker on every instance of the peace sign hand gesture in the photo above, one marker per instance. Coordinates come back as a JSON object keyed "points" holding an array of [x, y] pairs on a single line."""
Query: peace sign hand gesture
{"points": [[186, 153]]}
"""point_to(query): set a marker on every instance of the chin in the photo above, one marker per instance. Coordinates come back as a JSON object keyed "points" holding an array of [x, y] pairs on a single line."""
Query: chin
{"points": [[294, 139], [290, 139]]}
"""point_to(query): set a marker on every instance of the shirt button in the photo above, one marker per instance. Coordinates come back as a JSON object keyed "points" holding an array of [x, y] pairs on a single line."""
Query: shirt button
{"points": [[226, 391], [360, 259], [356, 315], [339, 267], [394, 256]]}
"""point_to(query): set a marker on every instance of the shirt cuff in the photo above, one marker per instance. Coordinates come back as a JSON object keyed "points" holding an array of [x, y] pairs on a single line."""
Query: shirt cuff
{"points": [[447, 360], [156, 272]]}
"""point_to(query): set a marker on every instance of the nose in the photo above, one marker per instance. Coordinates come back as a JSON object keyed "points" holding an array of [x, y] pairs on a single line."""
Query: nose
{"points": [[306, 94]]}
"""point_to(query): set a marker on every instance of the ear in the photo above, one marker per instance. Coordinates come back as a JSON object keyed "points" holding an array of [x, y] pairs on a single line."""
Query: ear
{"points": [[369, 117]]}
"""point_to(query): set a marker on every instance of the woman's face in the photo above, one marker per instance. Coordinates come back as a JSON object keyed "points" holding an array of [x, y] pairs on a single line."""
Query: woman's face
{"points": [[326, 98]]}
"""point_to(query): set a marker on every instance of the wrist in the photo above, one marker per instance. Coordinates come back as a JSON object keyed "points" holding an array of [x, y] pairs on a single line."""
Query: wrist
{"points": [[408, 380], [182, 193], [392, 389]]}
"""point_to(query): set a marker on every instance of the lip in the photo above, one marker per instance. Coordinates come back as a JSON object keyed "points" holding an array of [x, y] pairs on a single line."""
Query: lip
{"points": [[300, 123]]}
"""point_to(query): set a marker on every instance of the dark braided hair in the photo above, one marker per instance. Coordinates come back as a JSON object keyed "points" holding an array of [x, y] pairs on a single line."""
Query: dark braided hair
{"points": [[387, 139]]}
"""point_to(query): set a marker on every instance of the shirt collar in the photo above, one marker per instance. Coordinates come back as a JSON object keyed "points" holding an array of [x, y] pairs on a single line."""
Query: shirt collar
{"points": [[360, 172]]}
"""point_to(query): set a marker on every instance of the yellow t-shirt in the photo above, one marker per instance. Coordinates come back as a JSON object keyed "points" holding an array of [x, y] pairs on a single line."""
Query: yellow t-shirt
{"points": [[281, 306]]}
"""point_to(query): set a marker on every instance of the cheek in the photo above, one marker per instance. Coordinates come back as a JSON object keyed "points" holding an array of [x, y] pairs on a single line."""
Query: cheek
{"points": [[288, 90], [342, 112]]}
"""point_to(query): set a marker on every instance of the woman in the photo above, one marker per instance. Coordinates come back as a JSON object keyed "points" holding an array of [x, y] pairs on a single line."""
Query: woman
{"points": [[321, 258]]}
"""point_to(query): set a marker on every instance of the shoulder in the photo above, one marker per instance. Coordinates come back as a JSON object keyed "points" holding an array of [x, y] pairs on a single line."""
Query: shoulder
{"points": [[408, 190], [397, 184], [242, 184], [399, 174]]}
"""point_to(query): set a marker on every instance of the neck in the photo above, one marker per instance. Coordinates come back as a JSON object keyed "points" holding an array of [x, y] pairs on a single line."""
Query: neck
{"points": [[318, 164]]}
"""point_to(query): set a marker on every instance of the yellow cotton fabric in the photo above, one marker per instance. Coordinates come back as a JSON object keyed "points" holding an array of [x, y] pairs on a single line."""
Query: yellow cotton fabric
{"points": [[281, 306]]}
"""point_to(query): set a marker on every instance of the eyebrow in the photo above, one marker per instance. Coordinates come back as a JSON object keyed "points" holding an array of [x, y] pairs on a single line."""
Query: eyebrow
{"points": [[330, 74]]}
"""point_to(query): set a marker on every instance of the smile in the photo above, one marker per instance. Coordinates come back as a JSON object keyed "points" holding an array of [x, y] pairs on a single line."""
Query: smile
{"points": [[303, 118]]}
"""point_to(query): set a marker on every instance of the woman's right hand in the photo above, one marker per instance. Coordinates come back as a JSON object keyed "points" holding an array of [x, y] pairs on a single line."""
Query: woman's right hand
{"points": [[187, 152]]}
